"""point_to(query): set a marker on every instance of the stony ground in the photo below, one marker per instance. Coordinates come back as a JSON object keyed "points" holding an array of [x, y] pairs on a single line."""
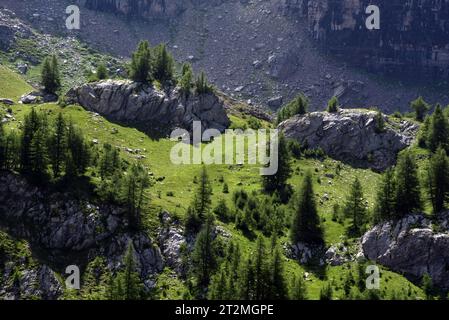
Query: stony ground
{"points": [[249, 49]]}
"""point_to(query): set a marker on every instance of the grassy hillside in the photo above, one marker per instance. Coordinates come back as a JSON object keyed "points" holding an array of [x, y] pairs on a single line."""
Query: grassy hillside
{"points": [[174, 187], [12, 86]]}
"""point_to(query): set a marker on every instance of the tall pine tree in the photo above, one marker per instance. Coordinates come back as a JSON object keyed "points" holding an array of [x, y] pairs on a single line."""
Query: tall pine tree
{"points": [[50, 76], [58, 145], [306, 223], [355, 208], [385, 207], [201, 204], [163, 64], [408, 191], [127, 284], [438, 180], [136, 183], [140, 68], [438, 131], [420, 107], [204, 255], [278, 181]]}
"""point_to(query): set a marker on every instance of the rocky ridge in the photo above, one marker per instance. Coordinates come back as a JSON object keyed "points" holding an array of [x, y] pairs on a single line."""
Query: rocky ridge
{"points": [[148, 108], [352, 136]]}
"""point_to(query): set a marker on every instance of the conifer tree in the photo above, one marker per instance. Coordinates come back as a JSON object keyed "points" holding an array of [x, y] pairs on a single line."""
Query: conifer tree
{"points": [[408, 191], [423, 135], [420, 107], [186, 78], [278, 181], [102, 72], [201, 84], [438, 180], [278, 289], [50, 76], [58, 145], [163, 64], [204, 255], [34, 153], [355, 208], [380, 122], [30, 127], [127, 285], [201, 203], [140, 68], [247, 281], [438, 134], [136, 183], [385, 207], [110, 161], [298, 105], [261, 270], [299, 289], [427, 286], [332, 105], [218, 290], [326, 292], [12, 151], [39, 154], [306, 223], [234, 274], [79, 153]]}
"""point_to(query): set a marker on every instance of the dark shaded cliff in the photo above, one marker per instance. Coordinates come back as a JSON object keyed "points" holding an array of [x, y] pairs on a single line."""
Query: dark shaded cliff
{"points": [[413, 37]]}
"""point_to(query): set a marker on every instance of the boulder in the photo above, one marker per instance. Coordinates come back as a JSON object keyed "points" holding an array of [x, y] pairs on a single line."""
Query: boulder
{"points": [[148, 108], [275, 102], [6, 101], [23, 68], [36, 97], [412, 246], [352, 136]]}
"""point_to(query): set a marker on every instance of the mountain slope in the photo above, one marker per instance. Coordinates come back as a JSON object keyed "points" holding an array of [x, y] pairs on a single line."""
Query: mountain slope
{"points": [[253, 50], [174, 192]]}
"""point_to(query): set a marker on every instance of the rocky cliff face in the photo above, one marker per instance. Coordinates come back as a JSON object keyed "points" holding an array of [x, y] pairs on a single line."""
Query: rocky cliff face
{"points": [[66, 231], [155, 9], [413, 36], [10, 28], [352, 136], [412, 246], [150, 109]]}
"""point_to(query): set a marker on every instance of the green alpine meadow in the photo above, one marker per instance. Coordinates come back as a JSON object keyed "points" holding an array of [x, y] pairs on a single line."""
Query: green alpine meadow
{"points": [[224, 151]]}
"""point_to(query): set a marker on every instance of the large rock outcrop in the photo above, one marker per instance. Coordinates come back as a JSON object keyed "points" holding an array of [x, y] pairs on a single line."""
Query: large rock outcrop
{"points": [[352, 136], [148, 108], [413, 36], [67, 231], [412, 246]]}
